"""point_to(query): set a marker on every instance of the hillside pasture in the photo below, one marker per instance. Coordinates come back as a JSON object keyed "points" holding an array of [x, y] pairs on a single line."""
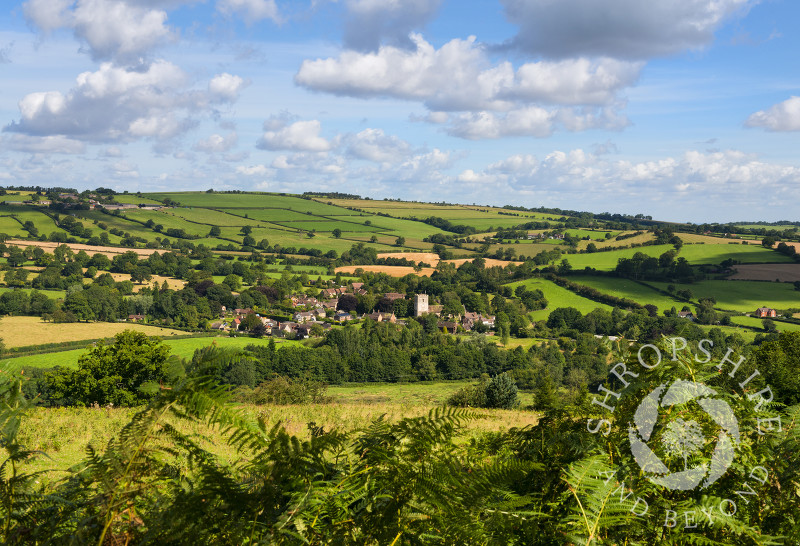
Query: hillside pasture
{"points": [[632, 290], [743, 296], [12, 227], [558, 297], [755, 322], [697, 254]]}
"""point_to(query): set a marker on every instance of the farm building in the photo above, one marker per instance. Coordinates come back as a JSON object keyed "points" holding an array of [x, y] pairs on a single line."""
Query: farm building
{"points": [[764, 312]]}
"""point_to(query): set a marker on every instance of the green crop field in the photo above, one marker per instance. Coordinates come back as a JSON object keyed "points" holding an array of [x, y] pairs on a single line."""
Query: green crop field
{"points": [[558, 297], [10, 226], [697, 254], [184, 348], [767, 227], [715, 254], [52, 294], [625, 288], [743, 296], [754, 322]]}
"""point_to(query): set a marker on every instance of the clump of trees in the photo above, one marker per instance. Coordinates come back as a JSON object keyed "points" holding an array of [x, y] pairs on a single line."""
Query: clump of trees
{"points": [[497, 392]]}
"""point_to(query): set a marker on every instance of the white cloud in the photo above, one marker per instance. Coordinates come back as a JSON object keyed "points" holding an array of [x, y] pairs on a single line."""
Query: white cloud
{"points": [[370, 23], [118, 104], [250, 10], [298, 136], [784, 116], [375, 145], [574, 81], [113, 29], [624, 29], [703, 175], [216, 143], [45, 145], [533, 121], [459, 77], [226, 87], [255, 170]]}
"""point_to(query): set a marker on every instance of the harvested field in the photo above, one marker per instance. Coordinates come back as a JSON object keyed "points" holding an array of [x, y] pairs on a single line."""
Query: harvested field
{"points": [[174, 284], [419, 257], [16, 331], [106, 250], [489, 262], [391, 270], [767, 272]]}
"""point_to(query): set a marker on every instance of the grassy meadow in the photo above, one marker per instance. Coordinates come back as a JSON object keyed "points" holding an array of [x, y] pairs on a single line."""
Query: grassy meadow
{"points": [[183, 348], [558, 297], [64, 433], [743, 296]]}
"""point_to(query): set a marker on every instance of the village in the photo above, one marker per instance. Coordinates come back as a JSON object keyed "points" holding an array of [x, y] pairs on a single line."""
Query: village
{"points": [[313, 316]]}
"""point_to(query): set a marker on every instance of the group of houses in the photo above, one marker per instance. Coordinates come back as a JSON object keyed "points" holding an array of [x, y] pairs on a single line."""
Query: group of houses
{"points": [[324, 311]]}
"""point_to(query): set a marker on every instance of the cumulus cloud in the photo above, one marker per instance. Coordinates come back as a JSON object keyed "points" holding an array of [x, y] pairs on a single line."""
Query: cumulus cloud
{"points": [[459, 77], [369, 23], [250, 10], [297, 136], [729, 172], [624, 29], [226, 86], [784, 116], [216, 143], [117, 104], [533, 121], [112, 29], [375, 145]]}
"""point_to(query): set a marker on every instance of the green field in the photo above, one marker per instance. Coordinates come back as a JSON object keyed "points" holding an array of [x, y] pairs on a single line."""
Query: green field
{"points": [[754, 322], [625, 288], [696, 254], [743, 296], [558, 297], [52, 294], [183, 348], [10, 226]]}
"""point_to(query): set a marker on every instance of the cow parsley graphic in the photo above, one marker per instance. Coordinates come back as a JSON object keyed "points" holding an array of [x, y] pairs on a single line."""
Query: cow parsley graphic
{"points": [[683, 438]]}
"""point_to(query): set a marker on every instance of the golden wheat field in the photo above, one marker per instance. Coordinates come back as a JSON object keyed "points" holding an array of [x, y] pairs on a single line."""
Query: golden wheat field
{"points": [[26, 331], [391, 270], [90, 249], [429, 258]]}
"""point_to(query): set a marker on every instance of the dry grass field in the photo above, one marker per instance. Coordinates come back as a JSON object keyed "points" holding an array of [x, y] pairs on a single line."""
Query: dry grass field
{"points": [[419, 257], [767, 272], [106, 250], [391, 270], [489, 262], [27, 331], [174, 284], [64, 433]]}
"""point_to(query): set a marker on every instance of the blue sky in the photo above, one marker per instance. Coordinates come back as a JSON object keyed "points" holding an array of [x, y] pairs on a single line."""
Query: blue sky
{"points": [[684, 110]]}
